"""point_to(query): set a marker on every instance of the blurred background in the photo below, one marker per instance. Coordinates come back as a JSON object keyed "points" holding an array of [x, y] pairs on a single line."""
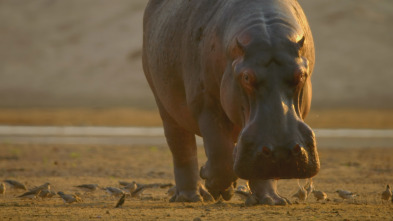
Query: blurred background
{"points": [[78, 62]]}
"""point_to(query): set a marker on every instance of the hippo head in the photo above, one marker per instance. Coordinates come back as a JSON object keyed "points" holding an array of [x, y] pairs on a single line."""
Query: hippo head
{"points": [[266, 90]]}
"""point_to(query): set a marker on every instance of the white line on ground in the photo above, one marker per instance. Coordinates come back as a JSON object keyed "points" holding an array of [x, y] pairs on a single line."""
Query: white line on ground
{"points": [[326, 138]]}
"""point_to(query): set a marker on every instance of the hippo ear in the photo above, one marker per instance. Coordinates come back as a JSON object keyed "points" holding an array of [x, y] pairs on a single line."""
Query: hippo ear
{"points": [[243, 40], [300, 43], [239, 44], [237, 49]]}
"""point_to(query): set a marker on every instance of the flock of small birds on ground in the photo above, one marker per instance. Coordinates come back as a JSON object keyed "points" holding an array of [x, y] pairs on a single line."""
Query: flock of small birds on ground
{"points": [[133, 189], [305, 191], [127, 189]]}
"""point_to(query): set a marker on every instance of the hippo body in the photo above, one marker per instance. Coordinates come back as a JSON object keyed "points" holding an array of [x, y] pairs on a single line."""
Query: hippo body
{"points": [[238, 74]]}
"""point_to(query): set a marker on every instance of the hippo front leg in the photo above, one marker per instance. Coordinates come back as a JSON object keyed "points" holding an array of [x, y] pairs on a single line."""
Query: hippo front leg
{"points": [[218, 170], [265, 192], [184, 152]]}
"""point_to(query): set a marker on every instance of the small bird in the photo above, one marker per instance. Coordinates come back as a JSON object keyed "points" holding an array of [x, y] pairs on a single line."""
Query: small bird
{"points": [[129, 184], [113, 191], [171, 191], [301, 194], [165, 185], [45, 186], [142, 187], [309, 187], [243, 194], [46, 194], [2, 188], [121, 201], [244, 188], [125, 183], [138, 192], [155, 185], [319, 195], [88, 187], [387, 193], [68, 198], [30, 194], [346, 194], [15, 184], [243, 191], [130, 187]]}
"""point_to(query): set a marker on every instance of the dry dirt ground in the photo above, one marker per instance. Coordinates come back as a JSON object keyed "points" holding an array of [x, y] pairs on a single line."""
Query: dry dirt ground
{"points": [[364, 171]]}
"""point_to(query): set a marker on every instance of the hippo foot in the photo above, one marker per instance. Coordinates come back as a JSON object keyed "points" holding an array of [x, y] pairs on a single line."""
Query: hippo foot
{"points": [[192, 196], [219, 184], [265, 192], [225, 194]]}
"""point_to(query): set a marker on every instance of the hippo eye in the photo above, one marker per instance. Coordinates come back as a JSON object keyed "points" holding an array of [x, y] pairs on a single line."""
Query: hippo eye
{"points": [[247, 79], [299, 78]]}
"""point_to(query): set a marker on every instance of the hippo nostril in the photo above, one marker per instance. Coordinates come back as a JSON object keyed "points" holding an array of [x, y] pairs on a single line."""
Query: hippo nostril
{"points": [[297, 149], [266, 151]]}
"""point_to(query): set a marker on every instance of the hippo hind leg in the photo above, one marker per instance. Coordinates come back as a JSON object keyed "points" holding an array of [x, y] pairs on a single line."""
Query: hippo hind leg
{"points": [[184, 152]]}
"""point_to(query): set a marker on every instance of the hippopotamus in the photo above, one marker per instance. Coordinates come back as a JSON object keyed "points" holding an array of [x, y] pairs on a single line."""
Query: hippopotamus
{"points": [[238, 74]]}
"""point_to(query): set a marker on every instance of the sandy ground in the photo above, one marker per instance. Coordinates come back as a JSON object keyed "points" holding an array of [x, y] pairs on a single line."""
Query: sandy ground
{"points": [[364, 171]]}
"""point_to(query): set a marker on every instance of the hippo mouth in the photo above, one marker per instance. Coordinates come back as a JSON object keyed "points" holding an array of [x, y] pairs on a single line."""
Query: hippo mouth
{"points": [[280, 163]]}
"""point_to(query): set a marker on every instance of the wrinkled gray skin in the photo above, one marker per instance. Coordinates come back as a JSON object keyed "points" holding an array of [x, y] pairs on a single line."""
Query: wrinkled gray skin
{"points": [[238, 74]]}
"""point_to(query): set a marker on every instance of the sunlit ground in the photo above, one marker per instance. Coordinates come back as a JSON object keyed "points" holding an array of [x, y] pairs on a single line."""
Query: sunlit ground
{"points": [[364, 171]]}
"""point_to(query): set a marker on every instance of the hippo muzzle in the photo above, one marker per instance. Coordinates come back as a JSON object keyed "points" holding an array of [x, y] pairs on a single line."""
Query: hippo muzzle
{"points": [[293, 155]]}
